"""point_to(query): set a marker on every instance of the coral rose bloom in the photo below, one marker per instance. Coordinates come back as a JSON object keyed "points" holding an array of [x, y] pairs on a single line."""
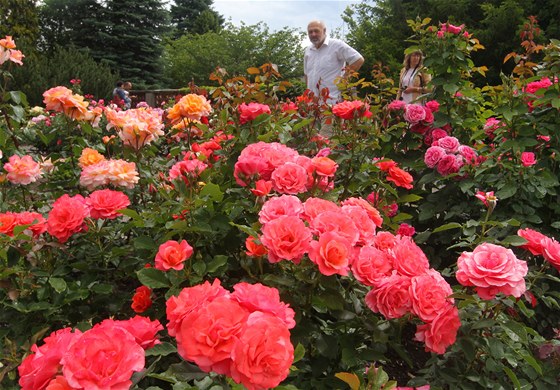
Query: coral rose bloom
{"points": [[105, 203], [55, 98], [142, 299], [331, 253], [290, 178], [67, 217], [22, 170], [172, 254], [249, 112], [441, 332], [492, 269], [191, 106], [286, 238], [351, 109], [400, 177], [534, 240]]}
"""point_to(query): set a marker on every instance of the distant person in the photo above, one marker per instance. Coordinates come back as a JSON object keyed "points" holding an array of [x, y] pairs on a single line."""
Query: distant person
{"points": [[327, 59], [413, 80], [127, 86], [119, 95]]}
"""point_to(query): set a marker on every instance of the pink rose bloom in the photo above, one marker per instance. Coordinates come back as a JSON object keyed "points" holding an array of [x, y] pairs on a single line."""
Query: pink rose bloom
{"points": [[528, 159], [391, 297], [105, 203], [492, 269], [312, 207], [440, 34], [207, 336], [551, 252], [38, 224], [534, 240], [290, 178], [371, 266], [430, 295], [286, 238], [67, 217], [452, 29], [447, 165], [187, 170], [172, 255], [190, 299], [396, 105], [406, 230], [332, 254], [433, 155], [408, 259], [258, 297], [22, 170], [249, 112], [43, 364], [59, 383], [370, 210], [384, 241], [438, 134], [468, 153], [337, 222], [263, 354], [262, 188], [279, 206], [441, 332], [8, 221], [351, 109], [449, 144], [534, 86], [414, 113], [104, 357], [143, 329], [289, 107], [366, 227], [429, 119], [432, 105], [248, 169], [324, 166]]}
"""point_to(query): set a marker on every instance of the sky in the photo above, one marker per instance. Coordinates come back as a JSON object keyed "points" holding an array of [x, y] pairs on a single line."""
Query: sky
{"points": [[284, 13]]}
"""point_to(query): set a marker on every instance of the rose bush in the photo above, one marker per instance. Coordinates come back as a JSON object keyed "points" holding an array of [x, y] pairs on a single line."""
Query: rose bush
{"points": [[261, 255]]}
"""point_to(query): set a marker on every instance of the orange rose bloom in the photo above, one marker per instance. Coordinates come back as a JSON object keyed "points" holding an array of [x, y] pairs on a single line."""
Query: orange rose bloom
{"points": [[254, 249], [191, 107], [324, 166], [89, 157]]}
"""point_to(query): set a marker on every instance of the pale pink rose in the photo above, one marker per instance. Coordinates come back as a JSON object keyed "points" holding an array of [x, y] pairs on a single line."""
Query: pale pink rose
{"points": [[408, 259], [449, 144], [208, 335], [391, 297], [528, 159], [290, 178], [257, 297], [286, 238], [414, 113], [104, 357], [315, 206], [366, 227], [105, 203], [534, 240], [44, 362], [279, 206], [371, 265], [430, 295], [263, 353], [551, 252], [144, 330], [441, 332], [189, 300], [172, 255], [492, 269], [332, 254], [22, 170], [337, 222]]}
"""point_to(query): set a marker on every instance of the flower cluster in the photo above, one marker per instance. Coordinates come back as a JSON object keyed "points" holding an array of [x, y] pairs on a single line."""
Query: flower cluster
{"points": [[8, 52], [103, 357], [249, 112], [22, 170], [61, 99], [540, 245], [447, 155], [136, 127], [244, 334], [492, 269], [191, 107], [532, 90], [351, 109], [419, 117], [37, 224], [402, 282], [188, 169], [451, 29], [395, 174], [283, 168], [98, 171]]}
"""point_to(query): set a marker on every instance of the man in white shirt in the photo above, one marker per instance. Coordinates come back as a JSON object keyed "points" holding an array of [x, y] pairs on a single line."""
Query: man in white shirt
{"points": [[326, 59]]}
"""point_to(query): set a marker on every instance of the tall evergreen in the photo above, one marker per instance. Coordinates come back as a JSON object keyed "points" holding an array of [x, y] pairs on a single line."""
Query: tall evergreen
{"points": [[195, 17], [19, 19]]}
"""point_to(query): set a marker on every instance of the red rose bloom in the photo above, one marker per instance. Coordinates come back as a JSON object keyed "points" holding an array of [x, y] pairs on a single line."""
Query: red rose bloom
{"points": [[142, 300]]}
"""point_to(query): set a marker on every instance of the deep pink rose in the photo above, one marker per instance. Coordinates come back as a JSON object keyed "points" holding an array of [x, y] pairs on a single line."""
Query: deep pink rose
{"points": [[408, 259], [414, 113], [144, 330], [257, 297], [406, 230], [492, 269], [468, 153], [249, 112], [105, 203], [447, 165], [104, 357], [279, 206], [263, 354], [534, 240], [528, 159], [290, 178], [396, 105], [38, 224], [67, 217], [449, 144], [172, 255], [441, 332], [429, 119], [430, 295], [286, 238], [187, 170], [371, 265], [432, 105], [551, 252], [433, 155], [249, 169], [391, 297], [438, 134]]}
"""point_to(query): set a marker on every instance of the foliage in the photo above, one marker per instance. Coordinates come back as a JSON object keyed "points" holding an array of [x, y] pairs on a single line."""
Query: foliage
{"points": [[194, 17], [19, 18], [378, 152]]}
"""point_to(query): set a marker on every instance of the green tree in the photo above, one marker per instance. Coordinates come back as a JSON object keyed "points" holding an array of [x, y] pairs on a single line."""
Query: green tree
{"points": [[194, 17], [19, 19]]}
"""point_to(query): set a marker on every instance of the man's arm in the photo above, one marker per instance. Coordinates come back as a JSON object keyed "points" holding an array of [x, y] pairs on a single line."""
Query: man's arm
{"points": [[353, 67]]}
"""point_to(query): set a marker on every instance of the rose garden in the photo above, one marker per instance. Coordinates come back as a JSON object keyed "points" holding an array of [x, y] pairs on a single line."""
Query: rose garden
{"points": [[217, 242]]}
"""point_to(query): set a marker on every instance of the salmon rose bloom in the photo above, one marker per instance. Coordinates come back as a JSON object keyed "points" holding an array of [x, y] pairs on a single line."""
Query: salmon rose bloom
{"points": [[190, 107], [67, 217], [492, 269], [249, 112], [105, 203], [441, 332], [332, 254], [351, 109], [22, 170], [254, 249], [172, 255], [286, 238]]}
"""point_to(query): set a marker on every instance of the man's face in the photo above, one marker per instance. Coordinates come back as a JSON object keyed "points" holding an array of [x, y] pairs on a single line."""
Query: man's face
{"points": [[316, 34]]}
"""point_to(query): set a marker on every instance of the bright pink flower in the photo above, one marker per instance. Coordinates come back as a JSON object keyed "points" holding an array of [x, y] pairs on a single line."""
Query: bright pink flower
{"points": [[187, 170], [370, 210], [336, 222], [384, 241], [172, 255], [249, 112], [406, 230], [259, 160], [278, 206], [414, 113], [105, 203], [290, 178], [385, 164], [315, 206], [396, 105], [430, 295], [22, 170], [249, 169], [67, 217], [441, 332], [408, 259], [104, 357], [433, 155], [263, 354], [449, 144], [38, 224], [528, 159], [432, 105], [488, 198], [286, 238], [258, 297], [332, 254], [534, 240], [366, 227], [391, 297], [262, 188], [8, 221], [447, 165], [371, 266], [551, 252], [468, 154], [144, 330], [448, 27], [438, 134], [289, 107], [492, 269], [534, 86]]}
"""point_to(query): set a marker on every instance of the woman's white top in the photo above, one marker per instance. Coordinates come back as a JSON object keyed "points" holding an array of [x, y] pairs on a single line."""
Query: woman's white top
{"points": [[408, 81]]}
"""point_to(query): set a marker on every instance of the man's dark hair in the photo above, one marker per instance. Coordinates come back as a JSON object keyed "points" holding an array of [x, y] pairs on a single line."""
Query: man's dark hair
{"points": [[119, 83]]}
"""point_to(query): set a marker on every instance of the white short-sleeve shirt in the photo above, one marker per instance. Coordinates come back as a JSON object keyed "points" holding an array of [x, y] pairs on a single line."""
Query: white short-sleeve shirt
{"points": [[323, 65]]}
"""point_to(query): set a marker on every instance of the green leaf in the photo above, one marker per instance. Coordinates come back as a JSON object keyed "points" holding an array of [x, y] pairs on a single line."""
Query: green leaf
{"points": [[145, 242], [162, 349], [532, 361], [212, 191], [513, 377], [152, 278], [448, 226], [506, 192], [299, 352], [350, 379], [409, 198], [217, 262], [58, 284]]}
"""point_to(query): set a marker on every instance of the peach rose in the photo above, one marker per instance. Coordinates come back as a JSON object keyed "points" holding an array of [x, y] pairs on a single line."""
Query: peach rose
{"points": [[315, 206], [391, 297], [172, 255], [190, 107], [22, 170], [324, 166], [89, 157], [290, 178], [408, 258], [332, 254]]}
